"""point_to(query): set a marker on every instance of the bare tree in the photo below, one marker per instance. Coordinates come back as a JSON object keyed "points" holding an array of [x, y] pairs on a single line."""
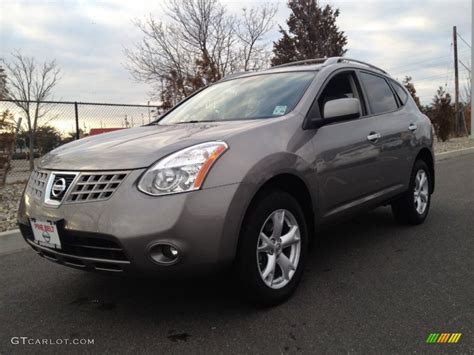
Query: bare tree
{"points": [[30, 83], [205, 29], [198, 42], [3, 84], [161, 57], [255, 24]]}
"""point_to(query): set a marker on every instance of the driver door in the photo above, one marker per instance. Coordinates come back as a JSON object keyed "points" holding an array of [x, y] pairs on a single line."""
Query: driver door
{"points": [[347, 162]]}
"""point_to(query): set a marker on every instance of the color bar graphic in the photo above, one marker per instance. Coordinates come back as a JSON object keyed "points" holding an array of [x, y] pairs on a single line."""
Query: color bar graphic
{"points": [[443, 338]]}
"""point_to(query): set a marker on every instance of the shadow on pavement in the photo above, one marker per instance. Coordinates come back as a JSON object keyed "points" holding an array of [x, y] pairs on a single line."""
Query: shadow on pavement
{"points": [[218, 293]]}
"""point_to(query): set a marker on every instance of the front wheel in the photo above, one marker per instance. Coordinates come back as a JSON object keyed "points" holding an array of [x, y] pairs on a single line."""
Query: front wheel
{"points": [[413, 207], [272, 249]]}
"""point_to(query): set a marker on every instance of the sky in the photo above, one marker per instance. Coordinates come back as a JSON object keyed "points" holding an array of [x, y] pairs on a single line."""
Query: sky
{"points": [[87, 39]]}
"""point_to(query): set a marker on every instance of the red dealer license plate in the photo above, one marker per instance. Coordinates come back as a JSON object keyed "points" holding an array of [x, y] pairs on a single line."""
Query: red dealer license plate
{"points": [[45, 233]]}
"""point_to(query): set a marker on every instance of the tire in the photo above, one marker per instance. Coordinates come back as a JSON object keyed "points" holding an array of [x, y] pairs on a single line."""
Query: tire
{"points": [[407, 210], [257, 254]]}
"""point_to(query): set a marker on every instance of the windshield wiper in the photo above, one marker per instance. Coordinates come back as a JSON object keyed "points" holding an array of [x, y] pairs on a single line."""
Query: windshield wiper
{"points": [[182, 122], [195, 121]]}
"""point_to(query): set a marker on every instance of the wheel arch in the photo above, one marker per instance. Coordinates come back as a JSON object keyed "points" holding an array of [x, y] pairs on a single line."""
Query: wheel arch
{"points": [[295, 186], [426, 155]]}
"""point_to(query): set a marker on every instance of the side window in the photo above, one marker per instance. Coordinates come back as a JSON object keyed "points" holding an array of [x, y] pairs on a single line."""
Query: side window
{"points": [[402, 94], [341, 86], [379, 94]]}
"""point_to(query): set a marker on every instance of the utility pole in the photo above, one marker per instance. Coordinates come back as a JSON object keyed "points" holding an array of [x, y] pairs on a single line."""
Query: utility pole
{"points": [[472, 81], [457, 127]]}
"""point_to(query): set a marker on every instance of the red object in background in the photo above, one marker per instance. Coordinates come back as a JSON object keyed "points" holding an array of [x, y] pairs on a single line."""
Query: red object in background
{"points": [[95, 131]]}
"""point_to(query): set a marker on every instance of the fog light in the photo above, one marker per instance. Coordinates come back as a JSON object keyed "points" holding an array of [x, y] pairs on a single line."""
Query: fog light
{"points": [[170, 252], [164, 254]]}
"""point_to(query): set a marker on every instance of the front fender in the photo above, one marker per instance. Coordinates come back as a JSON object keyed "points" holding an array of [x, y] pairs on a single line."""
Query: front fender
{"points": [[257, 176]]}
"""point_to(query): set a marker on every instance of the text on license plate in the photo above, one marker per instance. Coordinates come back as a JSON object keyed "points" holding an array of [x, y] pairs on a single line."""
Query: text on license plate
{"points": [[45, 233]]}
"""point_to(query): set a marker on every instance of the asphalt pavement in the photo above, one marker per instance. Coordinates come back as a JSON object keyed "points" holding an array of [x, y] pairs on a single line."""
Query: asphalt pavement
{"points": [[372, 286]]}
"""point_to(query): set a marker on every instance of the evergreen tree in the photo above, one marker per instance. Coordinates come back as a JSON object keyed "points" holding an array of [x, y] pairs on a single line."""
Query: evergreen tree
{"points": [[411, 89], [442, 114], [312, 33]]}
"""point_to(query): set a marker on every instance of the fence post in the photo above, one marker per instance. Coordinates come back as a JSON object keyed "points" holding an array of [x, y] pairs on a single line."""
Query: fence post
{"points": [[77, 120]]}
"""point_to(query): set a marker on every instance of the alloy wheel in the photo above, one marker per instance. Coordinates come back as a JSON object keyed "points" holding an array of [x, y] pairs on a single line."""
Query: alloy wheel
{"points": [[421, 191], [278, 248]]}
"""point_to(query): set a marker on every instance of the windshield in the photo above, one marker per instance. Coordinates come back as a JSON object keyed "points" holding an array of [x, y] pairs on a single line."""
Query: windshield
{"points": [[259, 96]]}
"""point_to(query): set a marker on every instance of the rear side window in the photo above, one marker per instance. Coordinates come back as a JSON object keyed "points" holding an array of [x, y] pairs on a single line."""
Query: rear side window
{"points": [[402, 94], [379, 94]]}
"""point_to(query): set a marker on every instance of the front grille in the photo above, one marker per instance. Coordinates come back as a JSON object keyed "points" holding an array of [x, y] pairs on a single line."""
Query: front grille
{"points": [[89, 245], [67, 179], [95, 186], [65, 187], [37, 184]]}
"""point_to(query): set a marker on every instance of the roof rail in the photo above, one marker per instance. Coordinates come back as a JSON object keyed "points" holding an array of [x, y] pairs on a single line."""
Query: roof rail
{"points": [[328, 61], [233, 75], [344, 59], [304, 61]]}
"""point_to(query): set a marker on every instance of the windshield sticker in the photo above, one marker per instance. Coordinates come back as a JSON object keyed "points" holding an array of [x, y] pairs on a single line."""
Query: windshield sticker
{"points": [[279, 110]]}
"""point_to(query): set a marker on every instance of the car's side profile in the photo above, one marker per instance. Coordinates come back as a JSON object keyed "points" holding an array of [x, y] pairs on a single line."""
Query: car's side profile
{"points": [[241, 174]]}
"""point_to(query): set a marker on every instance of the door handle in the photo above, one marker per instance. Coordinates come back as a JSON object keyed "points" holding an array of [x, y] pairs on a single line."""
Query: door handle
{"points": [[412, 127], [373, 137]]}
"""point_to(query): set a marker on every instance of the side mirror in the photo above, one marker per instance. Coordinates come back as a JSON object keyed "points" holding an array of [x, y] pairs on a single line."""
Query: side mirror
{"points": [[335, 111], [341, 109]]}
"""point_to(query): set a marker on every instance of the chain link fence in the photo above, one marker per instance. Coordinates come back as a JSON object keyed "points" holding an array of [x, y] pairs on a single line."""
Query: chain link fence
{"points": [[30, 129]]}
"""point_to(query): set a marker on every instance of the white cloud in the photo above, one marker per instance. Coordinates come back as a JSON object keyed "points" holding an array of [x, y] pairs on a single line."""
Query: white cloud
{"points": [[87, 39], [407, 37]]}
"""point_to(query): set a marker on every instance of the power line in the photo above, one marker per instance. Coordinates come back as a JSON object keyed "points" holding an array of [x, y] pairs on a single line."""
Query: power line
{"points": [[427, 60], [448, 67], [419, 62], [437, 63], [449, 79], [435, 76], [412, 68], [462, 39], [469, 70], [448, 71]]}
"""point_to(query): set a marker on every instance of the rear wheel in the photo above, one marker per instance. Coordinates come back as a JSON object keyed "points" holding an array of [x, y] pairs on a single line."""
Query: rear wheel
{"points": [[272, 250], [413, 207]]}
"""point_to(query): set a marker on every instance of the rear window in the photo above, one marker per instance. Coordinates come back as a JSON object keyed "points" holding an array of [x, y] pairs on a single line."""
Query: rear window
{"points": [[402, 94], [379, 94]]}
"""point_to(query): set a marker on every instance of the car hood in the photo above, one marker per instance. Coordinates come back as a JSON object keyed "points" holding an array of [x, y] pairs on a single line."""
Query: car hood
{"points": [[139, 147]]}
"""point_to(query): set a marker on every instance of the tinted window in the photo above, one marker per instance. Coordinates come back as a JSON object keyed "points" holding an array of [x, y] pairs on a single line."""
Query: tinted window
{"points": [[379, 94], [339, 87], [402, 94], [259, 96]]}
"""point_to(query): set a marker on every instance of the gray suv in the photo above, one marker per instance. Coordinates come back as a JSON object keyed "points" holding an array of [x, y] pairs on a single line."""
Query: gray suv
{"points": [[240, 174]]}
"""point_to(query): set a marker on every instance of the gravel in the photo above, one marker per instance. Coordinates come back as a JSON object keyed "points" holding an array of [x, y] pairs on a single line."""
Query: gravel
{"points": [[453, 144], [10, 198], [10, 194]]}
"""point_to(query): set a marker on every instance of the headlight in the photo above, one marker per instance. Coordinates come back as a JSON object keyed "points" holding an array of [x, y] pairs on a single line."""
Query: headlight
{"points": [[182, 171]]}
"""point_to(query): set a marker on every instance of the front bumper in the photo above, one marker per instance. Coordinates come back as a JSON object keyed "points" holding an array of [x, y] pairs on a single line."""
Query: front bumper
{"points": [[115, 235]]}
